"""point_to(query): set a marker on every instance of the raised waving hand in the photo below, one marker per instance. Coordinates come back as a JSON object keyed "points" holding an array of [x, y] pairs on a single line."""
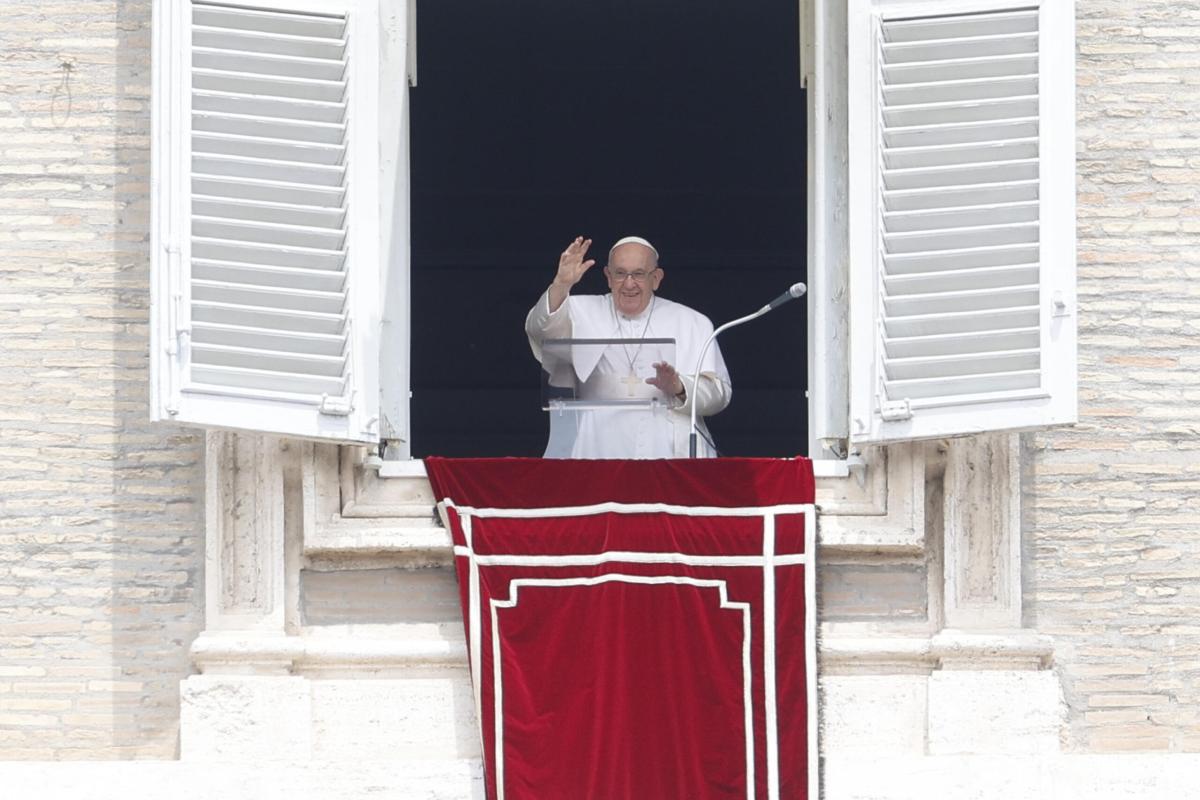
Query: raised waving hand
{"points": [[571, 268]]}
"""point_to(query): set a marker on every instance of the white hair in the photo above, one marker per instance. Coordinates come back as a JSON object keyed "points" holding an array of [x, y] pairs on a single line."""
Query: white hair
{"points": [[634, 240]]}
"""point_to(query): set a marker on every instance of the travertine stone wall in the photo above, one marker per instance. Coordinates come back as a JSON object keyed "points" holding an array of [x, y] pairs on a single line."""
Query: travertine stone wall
{"points": [[1112, 508], [101, 547]]}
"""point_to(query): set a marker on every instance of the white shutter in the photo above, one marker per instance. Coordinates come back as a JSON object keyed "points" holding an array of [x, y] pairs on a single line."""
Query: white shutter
{"points": [[266, 270], [962, 240]]}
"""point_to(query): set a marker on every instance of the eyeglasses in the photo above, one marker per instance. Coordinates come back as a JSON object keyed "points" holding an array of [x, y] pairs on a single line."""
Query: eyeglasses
{"points": [[640, 276]]}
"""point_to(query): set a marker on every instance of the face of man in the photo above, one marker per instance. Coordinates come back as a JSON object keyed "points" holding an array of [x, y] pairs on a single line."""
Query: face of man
{"points": [[634, 276]]}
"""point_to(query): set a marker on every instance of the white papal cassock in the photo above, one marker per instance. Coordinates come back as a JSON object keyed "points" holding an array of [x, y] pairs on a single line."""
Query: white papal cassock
{"points": [[615, 433]]}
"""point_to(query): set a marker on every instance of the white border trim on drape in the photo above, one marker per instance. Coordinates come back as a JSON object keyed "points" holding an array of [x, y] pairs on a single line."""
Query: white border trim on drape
{"points": [[719, 585], [769, 700], [629, 557], [628, 508]]}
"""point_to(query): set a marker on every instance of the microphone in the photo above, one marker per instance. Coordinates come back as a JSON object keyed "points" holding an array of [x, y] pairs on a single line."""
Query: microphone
{"points": [[794, 291]]}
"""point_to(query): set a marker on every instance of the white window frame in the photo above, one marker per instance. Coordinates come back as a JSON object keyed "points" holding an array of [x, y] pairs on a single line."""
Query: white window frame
{"points": [[398, 57], [387, 340]]}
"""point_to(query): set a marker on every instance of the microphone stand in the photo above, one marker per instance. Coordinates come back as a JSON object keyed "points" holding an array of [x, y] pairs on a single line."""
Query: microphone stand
{"points": [[700, 361], [795, 291]]}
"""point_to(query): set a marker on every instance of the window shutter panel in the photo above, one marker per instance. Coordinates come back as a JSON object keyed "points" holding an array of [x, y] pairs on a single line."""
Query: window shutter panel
{"points": [[265, 265], [962, 218]]}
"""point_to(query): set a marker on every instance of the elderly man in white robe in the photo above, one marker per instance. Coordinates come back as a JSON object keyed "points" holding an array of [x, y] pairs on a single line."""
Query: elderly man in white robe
{"points": [[631, 311]]}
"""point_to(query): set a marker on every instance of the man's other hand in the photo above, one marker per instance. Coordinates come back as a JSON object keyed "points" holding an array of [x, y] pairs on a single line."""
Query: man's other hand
{"points": [[666, 379]]}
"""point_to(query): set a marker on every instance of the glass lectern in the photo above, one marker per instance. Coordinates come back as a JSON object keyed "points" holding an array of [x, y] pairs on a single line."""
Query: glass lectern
{"points": [[594, 382]]}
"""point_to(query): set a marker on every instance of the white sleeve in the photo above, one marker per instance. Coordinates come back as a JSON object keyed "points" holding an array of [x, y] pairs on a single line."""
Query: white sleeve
{"points": [[710, 396], [714, 388], [541, 323]]}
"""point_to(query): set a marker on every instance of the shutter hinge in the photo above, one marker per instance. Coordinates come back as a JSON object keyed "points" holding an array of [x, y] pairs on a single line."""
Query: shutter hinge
{"points": [[176, 314], [177, 343], [336, 406], [895, 410]]}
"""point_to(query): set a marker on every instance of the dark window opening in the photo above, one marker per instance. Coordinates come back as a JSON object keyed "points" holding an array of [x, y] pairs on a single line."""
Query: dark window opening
{"points": [[539, 120]]}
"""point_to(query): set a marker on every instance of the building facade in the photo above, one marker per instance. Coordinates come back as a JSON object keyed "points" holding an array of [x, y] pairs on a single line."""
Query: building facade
{"points": [[1000, 612]]}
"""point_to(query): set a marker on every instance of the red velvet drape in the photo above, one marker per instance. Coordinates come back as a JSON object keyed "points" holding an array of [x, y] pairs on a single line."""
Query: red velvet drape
{"points": [[628, 655]]}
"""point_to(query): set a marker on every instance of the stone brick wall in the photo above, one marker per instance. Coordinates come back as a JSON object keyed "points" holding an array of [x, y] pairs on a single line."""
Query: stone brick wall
{"points": [[1113, 506], [101, 547]]}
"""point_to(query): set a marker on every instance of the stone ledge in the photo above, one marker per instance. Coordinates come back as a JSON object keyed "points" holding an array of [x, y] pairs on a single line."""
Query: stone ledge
{"points": [[395, 779], [376, 647], [1062, 777], [877, 511], [421, 544], [247, 653], [1000, 650], [955, 649]]}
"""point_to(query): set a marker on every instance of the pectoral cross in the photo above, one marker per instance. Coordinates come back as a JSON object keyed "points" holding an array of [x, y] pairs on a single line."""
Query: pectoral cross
{"points": [[632, 381]]}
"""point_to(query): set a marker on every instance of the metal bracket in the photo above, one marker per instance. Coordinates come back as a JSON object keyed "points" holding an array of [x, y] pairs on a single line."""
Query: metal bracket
{"points": [[336, 406], [895, 410], [837, 446], [857, 467]]}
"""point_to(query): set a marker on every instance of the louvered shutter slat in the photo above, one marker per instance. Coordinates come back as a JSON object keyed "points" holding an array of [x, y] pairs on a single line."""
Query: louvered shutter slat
{"points": [[221, 355], [963, 365], [308, 112], [960, 175], [962, 132], [963, 68], [968, 217], [994, 110], [958, 280], [279, 23], [214, 164], [285, 213], [269, 191], [278, 383], [956, 47], [268, 233], [282, 277], [961, 321], [291, 67], [971, 90], [974, 388], [958, 26], [276, 255], [963, 258], [251, 127], [271, 149], [268, 296], [911, 157], [266, 339], [938, 240], [271, 318], [248, 41], [962, 343], [960, 197], [274, 86], [974, 300]]}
